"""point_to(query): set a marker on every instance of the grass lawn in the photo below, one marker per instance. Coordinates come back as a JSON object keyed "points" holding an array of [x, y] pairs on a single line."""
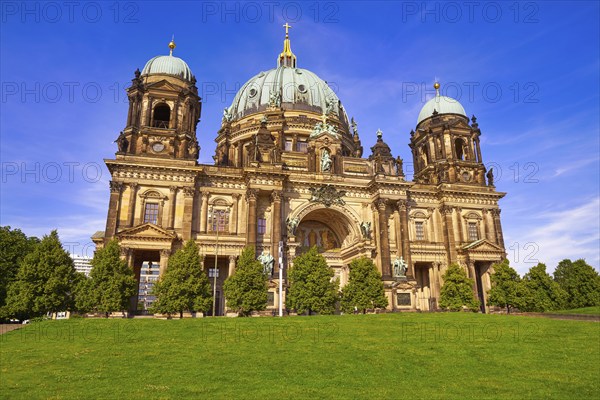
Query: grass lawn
{"points": [[584, 310], [416, 356]]}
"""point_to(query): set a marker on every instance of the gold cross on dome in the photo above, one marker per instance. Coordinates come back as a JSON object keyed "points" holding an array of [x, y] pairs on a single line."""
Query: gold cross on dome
{"points": [[287, 27]]}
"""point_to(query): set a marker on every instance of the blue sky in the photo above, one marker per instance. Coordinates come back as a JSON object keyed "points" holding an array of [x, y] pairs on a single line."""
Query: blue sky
{"points": [[529, 71]]}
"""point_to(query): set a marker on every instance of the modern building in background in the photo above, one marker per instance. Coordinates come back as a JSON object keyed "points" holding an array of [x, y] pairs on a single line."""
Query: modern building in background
{"points": [[289, 166], [82, 264]]}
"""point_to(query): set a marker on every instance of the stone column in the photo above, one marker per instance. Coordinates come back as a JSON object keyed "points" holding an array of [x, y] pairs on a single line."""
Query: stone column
{"points": [[459, 225], [251, 230], [232, 265], [149, 112], [398, 228], [446, 211], [498, 227], [484, 222], [384, 240], [114, 208], [472, 275], [164, 261], [188, 207], [172, 206], [276, 213], [204, 212], [403, 211], [436, 281], [233, 220], [479, 159], [133, 187]]}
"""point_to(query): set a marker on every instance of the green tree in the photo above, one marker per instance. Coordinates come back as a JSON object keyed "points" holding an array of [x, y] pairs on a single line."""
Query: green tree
{"points": [[457, 291], [311, 286], [365, 287], [580, 281], [45, 282], [507, 290], [111, 285], [246, 290], [14, 246], [542, 293], [184, 285]]}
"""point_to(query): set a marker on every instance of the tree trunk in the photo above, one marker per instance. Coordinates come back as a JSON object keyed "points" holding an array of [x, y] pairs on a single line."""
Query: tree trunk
{"points": [[106, 315], [507, 309], [180, 314]]}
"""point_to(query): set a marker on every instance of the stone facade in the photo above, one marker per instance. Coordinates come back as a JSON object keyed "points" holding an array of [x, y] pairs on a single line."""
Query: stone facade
{"points": [[293, 171]]}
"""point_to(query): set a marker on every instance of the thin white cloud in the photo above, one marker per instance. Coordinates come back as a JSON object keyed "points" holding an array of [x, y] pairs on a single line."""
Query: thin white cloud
{"points": [[551, 236]]}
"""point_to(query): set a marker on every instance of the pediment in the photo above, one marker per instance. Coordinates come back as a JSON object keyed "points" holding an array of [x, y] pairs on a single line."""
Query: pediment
{"points": [[326, 138], [163, 85], [146, 231], [459, 123], [483, 246]]}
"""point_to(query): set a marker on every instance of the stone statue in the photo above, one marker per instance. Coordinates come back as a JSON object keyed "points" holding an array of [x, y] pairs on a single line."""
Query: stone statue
{"points": [[328, 105], [292, 225], [122, 143], [399, 166], [399, 268], [275, 98], [325, 161], [365, 229], [354, 126], [227, 117], [490, 177], [267, 261]]}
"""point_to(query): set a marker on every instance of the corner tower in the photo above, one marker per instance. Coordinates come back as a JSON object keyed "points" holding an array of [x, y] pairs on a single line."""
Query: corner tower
{"points": [[445, 147], [164, 110]]}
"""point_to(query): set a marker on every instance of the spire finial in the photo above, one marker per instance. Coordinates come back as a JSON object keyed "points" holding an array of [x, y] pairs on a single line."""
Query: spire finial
{"points": [[436, 86], [287, 58], [172, 45]]}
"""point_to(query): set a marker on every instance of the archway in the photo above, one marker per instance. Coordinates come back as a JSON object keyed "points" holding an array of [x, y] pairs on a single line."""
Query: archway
{"points": [[333, 230]]}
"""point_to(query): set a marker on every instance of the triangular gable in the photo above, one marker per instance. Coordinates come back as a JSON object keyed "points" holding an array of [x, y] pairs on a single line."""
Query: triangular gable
{"points": [[163, 85], [482, 245], [148, 231]]}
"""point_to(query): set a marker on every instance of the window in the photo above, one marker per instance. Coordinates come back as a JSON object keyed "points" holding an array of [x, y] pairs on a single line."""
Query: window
{"points": [[419, 230], [288, 145], [473, 233], [162, 115], [220, 220], [212, 271], [459, 147], [262, 226], [151, 213], [270, 299], [302, 147]]}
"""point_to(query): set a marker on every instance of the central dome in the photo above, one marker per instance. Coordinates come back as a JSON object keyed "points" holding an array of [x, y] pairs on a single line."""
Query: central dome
{"points": [[286, 87], [292, 88]]}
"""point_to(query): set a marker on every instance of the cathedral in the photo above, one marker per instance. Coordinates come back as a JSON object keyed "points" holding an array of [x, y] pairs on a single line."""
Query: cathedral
{"points": [[289, 173]]}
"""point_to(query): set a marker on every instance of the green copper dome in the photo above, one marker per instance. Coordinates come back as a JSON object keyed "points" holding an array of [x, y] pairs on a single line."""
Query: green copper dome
{"points": [[289, 88], [168, 65], [441, 104]]}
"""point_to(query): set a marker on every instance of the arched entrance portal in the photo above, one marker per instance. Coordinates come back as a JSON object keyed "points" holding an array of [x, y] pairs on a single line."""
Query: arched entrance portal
{"points": [[335, 233]]}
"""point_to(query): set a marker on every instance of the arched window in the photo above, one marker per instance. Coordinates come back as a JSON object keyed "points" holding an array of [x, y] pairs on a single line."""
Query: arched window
{"points": [[162, 116], [459, 146]]}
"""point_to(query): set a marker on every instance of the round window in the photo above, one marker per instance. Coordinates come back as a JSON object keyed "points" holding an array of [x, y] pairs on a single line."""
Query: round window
{"points": [[158, 147], [253, 92], [302, 88]]}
